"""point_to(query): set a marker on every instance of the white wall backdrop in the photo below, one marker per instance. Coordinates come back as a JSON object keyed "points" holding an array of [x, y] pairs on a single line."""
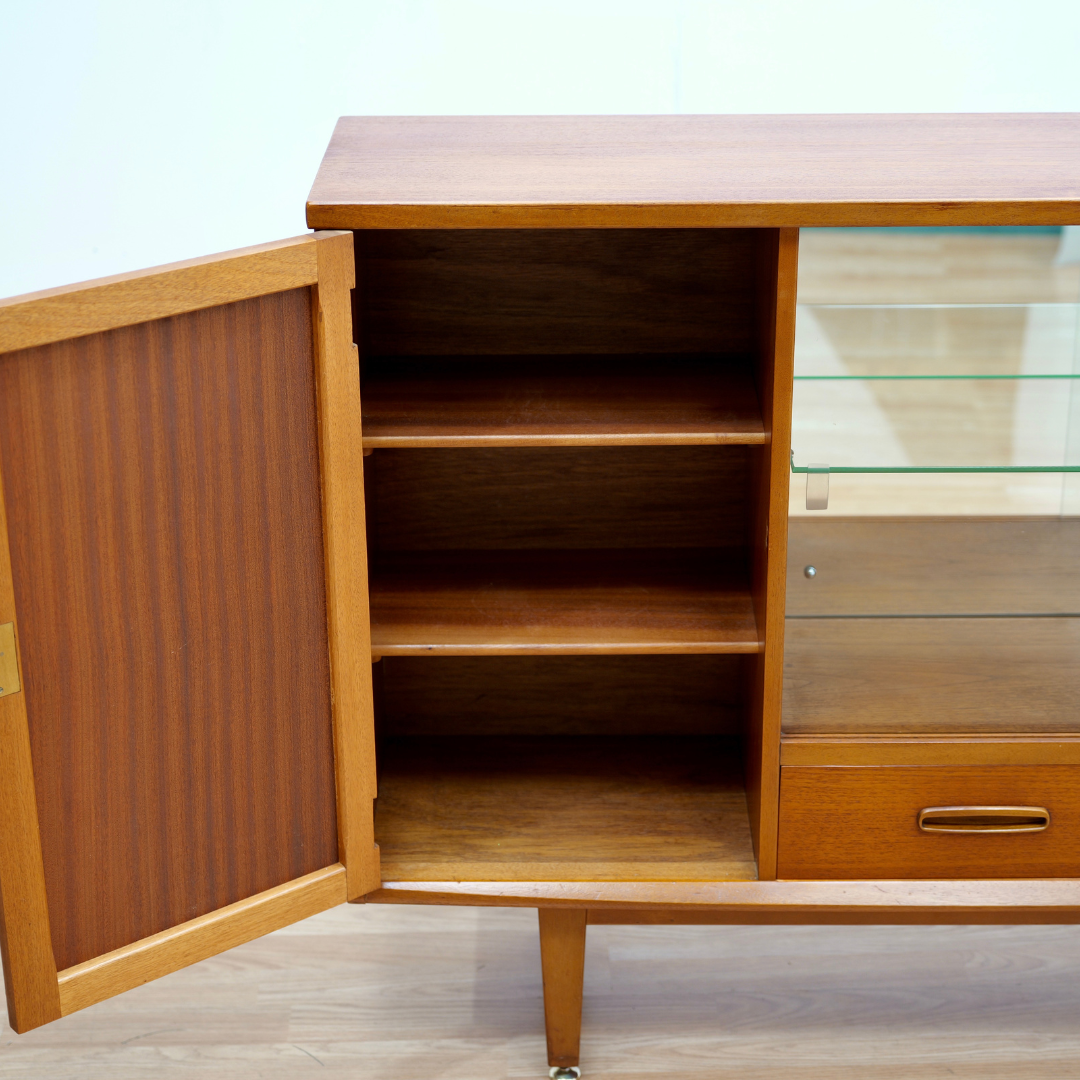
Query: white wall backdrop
{"points": [[137, 132]]}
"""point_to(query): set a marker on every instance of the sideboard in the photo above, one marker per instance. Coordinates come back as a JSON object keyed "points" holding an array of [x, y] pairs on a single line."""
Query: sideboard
{"points": [[441, 556]]}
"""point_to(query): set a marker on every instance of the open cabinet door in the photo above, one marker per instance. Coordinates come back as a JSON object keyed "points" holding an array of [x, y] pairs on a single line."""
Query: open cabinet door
{"points": [[186, 742]]}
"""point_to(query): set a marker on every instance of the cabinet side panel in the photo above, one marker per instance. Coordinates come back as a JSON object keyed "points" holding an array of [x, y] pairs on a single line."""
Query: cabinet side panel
{"points": [[165, 524], [25, 941], [778, 257], [348, 615]]}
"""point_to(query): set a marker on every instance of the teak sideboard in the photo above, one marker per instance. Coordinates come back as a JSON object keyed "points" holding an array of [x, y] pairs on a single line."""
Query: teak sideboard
{"points": [[440, 556]]}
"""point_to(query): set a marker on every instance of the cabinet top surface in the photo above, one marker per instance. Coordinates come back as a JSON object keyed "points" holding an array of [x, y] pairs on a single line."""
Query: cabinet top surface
{"points": [[699, 171]]}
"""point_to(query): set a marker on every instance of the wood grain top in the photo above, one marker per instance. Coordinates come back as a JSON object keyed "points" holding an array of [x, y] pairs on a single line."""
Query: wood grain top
{"points": [[686, 171]]}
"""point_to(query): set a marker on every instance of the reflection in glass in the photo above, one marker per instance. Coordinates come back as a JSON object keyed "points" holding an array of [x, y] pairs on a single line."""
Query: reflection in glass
{"points": [[941, 387]]}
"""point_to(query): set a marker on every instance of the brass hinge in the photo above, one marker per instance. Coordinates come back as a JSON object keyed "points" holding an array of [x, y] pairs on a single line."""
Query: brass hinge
{"points": [[9, 664]]}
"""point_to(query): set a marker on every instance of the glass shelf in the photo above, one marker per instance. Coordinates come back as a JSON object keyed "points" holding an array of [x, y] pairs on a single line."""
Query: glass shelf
{"points": [[923, 388]]}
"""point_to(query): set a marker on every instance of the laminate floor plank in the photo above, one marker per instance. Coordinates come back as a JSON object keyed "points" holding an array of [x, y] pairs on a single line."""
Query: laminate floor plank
{"points": [[455, 993]]}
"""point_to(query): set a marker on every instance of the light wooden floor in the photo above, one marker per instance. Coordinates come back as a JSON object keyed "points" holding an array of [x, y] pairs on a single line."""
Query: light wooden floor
{"points": [[426, 993]]}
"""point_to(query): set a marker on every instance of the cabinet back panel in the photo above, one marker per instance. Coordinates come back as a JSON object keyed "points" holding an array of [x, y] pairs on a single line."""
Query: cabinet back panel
{"points": [[164, 516], [934, 566], [912, 676], [566, 695], [424, 292], [599, 497]]}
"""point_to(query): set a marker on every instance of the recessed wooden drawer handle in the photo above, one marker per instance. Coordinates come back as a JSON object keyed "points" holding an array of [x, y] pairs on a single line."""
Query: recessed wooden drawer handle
{"points": [[984, 819]]}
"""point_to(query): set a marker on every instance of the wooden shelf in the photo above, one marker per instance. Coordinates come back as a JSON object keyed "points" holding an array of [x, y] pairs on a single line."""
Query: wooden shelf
{"points": [[559, 401], [562, 808], [480, 602]]}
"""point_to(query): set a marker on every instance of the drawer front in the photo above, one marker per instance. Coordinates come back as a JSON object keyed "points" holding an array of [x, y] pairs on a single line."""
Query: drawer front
{"points": [[863, 822]]}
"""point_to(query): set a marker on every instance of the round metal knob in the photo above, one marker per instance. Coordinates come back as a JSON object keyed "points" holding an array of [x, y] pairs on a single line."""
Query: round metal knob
{"points": [[557, 1072], [810, 571]]}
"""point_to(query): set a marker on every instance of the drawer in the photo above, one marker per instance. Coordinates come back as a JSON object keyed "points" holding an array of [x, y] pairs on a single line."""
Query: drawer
{"points": [[863, 822]]}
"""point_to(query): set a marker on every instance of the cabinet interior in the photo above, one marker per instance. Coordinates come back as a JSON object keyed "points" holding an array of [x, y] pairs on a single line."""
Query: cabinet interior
{"points": [[562, 768], [565, 433], [940, 384]]}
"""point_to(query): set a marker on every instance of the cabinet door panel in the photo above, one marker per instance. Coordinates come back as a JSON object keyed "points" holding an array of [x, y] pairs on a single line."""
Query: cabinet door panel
{"points": [[168, 486]]}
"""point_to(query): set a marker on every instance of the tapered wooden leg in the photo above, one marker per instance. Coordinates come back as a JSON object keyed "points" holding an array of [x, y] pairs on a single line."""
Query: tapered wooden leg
{"points": [[562, 957]]}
